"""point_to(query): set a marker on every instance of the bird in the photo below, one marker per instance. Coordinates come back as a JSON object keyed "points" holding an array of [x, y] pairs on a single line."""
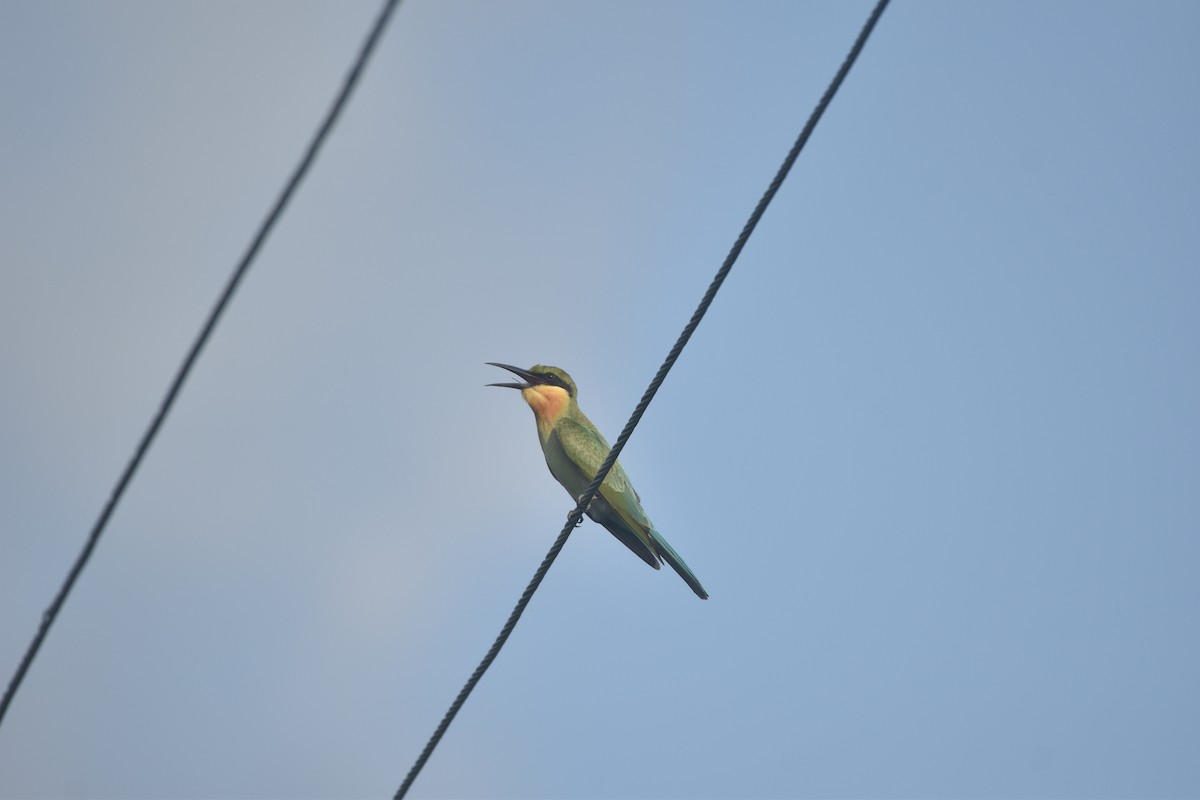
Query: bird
{"points": [[574, 449]]}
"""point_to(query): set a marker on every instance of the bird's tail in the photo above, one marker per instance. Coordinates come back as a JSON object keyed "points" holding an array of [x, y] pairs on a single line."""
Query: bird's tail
{"points": [[678, 564]]}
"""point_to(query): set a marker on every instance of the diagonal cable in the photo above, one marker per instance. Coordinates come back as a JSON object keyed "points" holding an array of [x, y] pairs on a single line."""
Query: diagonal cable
{"points": [[576, 516], [331, 117]]}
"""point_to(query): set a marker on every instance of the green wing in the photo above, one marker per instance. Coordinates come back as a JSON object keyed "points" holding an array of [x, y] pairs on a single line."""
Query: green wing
{"points": [[586, 448], [618, 506]]}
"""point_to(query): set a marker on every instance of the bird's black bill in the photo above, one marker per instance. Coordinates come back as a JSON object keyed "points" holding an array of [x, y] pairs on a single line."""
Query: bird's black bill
{"points": [[530, 378]]}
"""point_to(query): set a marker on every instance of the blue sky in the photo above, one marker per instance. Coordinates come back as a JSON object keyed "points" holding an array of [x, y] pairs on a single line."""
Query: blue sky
{"points": [[935, 451]]}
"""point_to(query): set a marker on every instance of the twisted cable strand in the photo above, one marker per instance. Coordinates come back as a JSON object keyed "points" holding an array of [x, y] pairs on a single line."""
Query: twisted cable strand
{"points": [[576, 515], [310, 154]]}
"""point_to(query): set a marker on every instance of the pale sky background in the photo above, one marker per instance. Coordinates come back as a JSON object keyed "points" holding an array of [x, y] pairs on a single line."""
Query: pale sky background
{"points": [[935, 451]]}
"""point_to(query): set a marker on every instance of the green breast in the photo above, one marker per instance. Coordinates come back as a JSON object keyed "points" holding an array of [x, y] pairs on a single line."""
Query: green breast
{"points": [[563, 467]]}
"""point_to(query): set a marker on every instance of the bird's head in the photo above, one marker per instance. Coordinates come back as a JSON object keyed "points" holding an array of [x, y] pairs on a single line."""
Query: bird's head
{"points": [[549, 391]]}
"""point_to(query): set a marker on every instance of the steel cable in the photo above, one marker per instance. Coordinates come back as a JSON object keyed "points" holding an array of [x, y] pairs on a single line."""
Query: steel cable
{"points": [[576, 515], [310, 154]]}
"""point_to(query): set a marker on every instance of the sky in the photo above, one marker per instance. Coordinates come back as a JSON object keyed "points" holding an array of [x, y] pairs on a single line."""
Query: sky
{"points": [[934, 452]]}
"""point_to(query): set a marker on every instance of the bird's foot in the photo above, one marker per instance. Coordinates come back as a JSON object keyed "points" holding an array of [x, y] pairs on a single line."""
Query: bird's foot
{"points": [[579, 521]]}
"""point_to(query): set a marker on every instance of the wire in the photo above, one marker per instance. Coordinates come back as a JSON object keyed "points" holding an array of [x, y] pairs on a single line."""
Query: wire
{"points": [[335, 110], [576, 516]]}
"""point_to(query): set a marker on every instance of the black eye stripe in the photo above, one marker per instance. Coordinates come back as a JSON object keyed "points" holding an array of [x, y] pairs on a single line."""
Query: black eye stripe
{"points": [[553, 379]]}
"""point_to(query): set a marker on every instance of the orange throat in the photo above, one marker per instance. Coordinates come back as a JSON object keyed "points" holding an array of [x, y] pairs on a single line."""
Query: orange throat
{"points": [[548, 404]]}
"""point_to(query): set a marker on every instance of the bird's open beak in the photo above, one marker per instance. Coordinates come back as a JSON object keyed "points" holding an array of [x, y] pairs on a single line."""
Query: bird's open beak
{"points": [[530, 378]]}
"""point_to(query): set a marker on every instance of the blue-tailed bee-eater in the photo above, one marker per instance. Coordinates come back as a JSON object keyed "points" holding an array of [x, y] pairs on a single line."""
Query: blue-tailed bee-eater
{"points": [[574, 450]]}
